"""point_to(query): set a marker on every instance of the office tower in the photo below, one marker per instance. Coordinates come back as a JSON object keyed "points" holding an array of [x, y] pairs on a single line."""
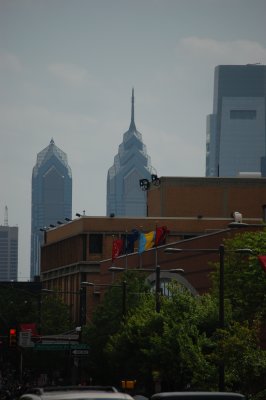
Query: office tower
{"points": [[236, 134], [8, 251], [51, 197], [124, 195]]}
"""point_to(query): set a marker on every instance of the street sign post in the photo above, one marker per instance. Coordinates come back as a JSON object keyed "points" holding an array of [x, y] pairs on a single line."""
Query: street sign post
{"points": [[25, 339]]}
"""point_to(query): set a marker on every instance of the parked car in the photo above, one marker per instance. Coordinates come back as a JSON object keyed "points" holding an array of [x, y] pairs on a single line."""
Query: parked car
{"points": [[197, 396], [75, 393]]}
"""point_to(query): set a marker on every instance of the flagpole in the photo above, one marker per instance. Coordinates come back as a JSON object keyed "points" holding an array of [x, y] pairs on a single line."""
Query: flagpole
{"points": [[140, 255], [113, 274], [156, 254], [126, 249], [112, 250]]}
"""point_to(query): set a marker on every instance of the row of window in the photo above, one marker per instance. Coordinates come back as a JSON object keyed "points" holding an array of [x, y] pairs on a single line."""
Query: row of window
{"points": [[243, 114]]}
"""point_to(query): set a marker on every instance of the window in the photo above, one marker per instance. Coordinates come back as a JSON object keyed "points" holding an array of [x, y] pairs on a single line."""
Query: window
{"points": [[95, 243], [243, 114], [3, 234]]}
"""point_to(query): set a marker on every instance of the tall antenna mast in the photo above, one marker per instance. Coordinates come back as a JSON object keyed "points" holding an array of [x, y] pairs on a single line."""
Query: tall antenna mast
{"points": [[6, 216]]}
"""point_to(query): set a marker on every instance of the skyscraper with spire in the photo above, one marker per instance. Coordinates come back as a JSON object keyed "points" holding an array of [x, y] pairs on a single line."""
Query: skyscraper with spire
{"points": [[132, 163], [51, 197]]}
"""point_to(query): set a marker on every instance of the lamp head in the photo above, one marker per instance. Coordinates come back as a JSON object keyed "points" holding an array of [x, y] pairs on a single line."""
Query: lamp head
{"points": [[172, 250], [144, 184], [86, 284], [118, 269]]}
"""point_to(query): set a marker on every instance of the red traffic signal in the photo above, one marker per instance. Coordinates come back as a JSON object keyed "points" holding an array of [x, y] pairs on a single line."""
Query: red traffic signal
{"points": [[12, 337]]}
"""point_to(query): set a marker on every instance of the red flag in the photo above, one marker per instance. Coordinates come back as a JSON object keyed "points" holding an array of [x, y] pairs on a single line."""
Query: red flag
{"points": [[161, 233], [262, 260], [117, 248]]}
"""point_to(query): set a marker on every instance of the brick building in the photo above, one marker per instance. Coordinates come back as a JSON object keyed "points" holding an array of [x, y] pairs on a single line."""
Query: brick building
{"points": [[197, 211], [207, 198]]}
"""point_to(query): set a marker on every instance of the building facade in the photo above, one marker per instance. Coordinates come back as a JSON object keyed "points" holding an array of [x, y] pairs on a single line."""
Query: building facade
{"points": [[81, 251], [8, 253], [236, 130], [51, 197], [208, 199], [131, 164], [196, 211], [70, 258]]}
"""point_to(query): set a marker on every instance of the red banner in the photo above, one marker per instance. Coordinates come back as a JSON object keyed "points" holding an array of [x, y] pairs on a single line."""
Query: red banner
{"points": [[29, 328], [262, 261], [117, 248]]}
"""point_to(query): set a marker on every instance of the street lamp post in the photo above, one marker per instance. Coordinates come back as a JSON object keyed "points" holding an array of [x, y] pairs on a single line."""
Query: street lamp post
{"points": [[221, 251], [158, 288], [82, 305], [157, 271], [221, 310], [221, 286]]}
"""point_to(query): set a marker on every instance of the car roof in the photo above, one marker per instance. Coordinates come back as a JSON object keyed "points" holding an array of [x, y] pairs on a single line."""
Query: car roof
{"points": [[78, 393], [197, 395]]}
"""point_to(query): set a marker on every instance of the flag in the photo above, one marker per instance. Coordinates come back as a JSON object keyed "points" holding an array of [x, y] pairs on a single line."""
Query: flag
{"points": [[146, 241], [262, 261], [130, 241], [117, 248], [160, 236]]}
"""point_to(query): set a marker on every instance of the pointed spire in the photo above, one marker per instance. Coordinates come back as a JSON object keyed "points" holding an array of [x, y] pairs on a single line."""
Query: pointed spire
{"points": [[132, 123], [52, 141]]}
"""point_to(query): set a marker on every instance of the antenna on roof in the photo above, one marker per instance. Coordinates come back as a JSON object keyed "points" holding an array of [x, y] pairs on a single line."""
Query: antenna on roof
{"points": [[6, 216]]}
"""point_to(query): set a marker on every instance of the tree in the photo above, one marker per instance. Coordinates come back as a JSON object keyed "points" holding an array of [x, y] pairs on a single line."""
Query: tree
{"points": [[55, 315], [182, 346], [239, 345], [244, 279], [17, 306], [166, 346], [244, 360], [107, 320]]}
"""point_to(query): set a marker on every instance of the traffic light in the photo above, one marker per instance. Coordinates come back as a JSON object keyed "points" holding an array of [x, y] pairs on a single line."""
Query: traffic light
{"points": [[12, 337]]}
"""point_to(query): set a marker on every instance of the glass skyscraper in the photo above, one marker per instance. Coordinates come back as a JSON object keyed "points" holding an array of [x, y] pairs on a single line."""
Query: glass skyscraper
{"points": [[8, 253], [236, 131], [132, 163], [51, 197]]}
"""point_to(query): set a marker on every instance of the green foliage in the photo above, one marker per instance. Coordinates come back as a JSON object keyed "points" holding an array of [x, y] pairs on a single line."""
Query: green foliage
{"points": [[182, 346], [244, 279], [108, 319], [168, 343], [238, 345], [244, 360], [55, 315], [18, 306]]}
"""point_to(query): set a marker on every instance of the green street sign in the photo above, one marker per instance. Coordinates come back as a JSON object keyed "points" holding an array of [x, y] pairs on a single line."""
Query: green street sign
{"points": [[59, 346]]}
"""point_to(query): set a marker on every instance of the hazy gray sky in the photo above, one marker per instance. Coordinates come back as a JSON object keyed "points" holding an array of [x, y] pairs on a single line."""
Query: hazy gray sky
{"points": [[67, 68]]}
